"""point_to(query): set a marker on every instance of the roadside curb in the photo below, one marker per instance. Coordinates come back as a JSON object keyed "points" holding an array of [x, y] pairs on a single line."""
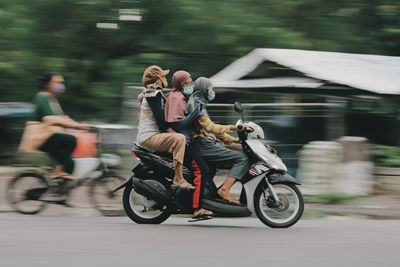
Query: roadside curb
{"points": [[371, 212]]}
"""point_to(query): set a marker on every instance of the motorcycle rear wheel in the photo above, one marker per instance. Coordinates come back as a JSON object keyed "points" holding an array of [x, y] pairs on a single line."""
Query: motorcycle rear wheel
{"points": [[284, 215], [142, 210]]}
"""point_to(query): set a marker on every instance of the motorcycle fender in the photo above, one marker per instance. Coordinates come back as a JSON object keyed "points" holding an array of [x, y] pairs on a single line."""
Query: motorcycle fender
{"points": [[128, 180], [282, 177], [124, 184], [250, 188]]}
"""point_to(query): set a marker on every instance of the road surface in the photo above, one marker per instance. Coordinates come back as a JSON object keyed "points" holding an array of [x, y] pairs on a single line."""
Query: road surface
{"points": [[70, 240]]}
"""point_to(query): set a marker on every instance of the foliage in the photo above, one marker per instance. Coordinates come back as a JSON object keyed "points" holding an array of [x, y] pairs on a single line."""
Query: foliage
{"points": [[387, 156], [329, 198], [200, 36]]}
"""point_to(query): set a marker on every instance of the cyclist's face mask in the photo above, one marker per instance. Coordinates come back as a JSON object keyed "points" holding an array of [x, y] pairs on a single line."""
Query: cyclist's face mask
{"points": [[58, 88], [57, 85]]}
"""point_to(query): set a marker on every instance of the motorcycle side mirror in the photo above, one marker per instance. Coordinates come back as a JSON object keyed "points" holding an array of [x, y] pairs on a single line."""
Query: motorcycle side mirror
{"points": [[238, 107]]}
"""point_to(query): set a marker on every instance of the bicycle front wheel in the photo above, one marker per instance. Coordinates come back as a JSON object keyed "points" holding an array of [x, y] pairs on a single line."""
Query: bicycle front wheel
{"points": [[103, 198]]}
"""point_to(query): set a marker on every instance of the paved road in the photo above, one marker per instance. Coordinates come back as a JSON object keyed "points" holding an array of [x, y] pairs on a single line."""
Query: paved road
{"points": [[90, 240]]}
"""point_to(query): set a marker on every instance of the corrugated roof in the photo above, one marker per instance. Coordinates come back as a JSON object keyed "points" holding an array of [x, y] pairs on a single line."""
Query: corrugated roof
{"points": [[374, 73], [271, 82]]}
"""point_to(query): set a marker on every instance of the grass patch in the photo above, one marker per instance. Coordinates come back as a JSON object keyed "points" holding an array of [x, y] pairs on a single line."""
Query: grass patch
{"points": [[328, 198]]}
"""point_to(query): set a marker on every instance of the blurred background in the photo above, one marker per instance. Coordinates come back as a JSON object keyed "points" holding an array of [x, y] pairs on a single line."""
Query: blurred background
{"points": [[338, 133]]}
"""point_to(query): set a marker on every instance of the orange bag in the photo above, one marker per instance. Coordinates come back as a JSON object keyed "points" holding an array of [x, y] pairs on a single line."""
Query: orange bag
{"points": [[86, 144]]}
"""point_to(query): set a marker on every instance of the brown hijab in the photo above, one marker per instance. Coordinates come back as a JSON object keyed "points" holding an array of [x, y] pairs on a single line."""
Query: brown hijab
{"points": [[154, 77]]}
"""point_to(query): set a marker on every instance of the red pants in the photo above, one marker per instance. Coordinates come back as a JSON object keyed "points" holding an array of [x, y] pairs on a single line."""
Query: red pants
{"points": [[195, 162]]}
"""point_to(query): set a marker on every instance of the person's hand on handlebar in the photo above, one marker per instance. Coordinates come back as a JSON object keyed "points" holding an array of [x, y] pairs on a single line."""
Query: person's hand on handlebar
{"points": [[242, 127], [233, 128], [85, 126]]}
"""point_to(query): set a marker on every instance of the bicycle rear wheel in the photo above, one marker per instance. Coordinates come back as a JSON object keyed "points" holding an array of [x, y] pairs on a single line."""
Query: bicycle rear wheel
{"points": [[24, 192], [103, 198]]}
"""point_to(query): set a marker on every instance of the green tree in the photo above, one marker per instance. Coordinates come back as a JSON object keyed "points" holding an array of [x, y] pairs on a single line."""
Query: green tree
{"points": [[199, 36]]}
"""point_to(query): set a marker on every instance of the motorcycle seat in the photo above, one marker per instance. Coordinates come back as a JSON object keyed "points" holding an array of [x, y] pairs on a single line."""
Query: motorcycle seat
{"points": [[164, 156], [142, 149]]}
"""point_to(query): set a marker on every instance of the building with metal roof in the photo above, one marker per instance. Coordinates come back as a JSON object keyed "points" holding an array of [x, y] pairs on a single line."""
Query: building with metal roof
{"points": [[365, 91], [292, 70]]}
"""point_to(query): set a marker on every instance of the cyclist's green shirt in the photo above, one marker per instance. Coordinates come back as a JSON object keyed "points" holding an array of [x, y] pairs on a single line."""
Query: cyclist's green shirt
{"points": [[46, 105]]}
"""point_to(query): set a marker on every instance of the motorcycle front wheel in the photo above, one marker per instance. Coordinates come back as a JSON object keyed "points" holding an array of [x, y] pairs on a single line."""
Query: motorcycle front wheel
{"points": [[142, 210], [284, 214]]}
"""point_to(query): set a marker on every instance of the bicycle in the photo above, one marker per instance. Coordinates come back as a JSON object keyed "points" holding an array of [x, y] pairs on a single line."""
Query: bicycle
{"points": [[31, 190]]}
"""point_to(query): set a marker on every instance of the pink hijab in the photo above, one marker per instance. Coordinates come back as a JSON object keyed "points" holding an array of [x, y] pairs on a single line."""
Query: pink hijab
{"points": [[175, 105], [178, 78]]}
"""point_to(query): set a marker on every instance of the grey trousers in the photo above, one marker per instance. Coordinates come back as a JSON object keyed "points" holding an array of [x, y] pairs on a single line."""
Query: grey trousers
{"points": [[217, 155]]}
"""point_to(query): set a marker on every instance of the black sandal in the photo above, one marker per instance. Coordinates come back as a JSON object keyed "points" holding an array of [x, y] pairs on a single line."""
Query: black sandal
{"points": [[202, 216]]}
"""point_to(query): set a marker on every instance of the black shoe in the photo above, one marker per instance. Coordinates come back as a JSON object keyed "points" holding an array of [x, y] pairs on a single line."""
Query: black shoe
{"points": [[64, 203], [64, 187], [58, 192]]}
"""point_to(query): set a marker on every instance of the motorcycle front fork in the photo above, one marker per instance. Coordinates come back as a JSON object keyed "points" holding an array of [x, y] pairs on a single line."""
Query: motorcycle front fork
{"points": [[271, 189]]}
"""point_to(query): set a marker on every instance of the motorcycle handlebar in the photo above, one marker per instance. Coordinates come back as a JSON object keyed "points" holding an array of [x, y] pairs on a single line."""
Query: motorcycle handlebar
{"points": [[244, 128], [93, 129]]}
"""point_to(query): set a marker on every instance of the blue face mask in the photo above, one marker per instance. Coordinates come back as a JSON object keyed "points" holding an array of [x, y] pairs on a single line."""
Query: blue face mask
{"points": [[188, 90], [210, 95]]}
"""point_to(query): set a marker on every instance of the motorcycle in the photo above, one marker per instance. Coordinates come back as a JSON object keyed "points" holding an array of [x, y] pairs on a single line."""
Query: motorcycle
{"points": [[267, 189]]}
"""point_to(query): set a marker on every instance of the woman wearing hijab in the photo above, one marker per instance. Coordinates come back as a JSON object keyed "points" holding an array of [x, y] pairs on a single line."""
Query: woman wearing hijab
{"points": [[179, 120], [153, 132], [208, 139], [175, 107]]}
